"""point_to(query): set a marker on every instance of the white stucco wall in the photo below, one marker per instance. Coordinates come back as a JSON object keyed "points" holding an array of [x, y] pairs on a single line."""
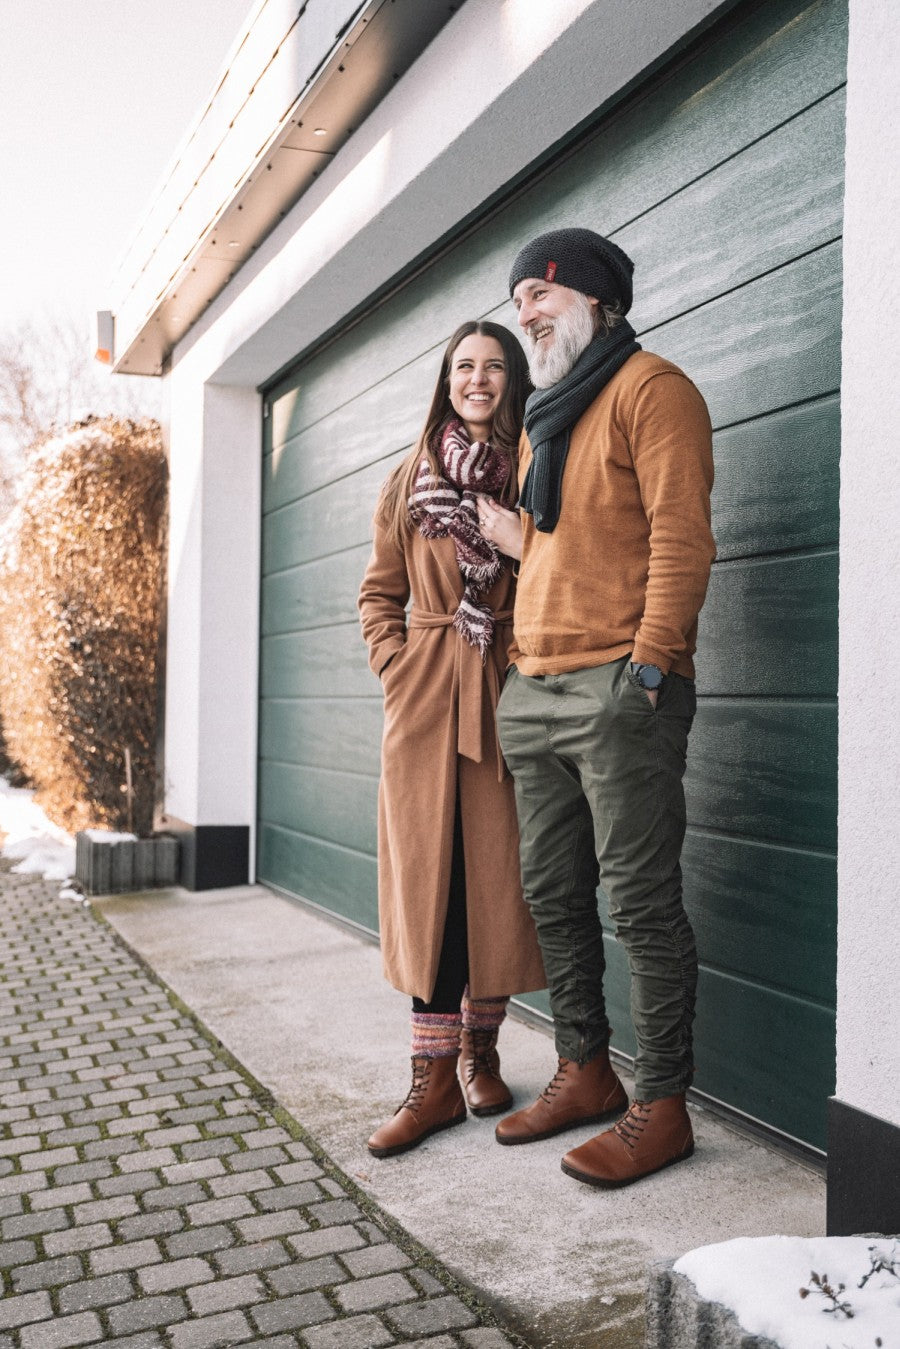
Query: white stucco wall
{"points": [[213, 608], [868, 1038], [501, 83]]}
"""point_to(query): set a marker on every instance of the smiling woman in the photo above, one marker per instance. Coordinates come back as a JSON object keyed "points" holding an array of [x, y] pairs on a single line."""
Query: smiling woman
{"points": [[477, 382], [455, 932]]}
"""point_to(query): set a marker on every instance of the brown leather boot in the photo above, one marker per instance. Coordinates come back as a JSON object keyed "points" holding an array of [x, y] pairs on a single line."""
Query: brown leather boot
{"points": [[653, 1135], [479, 1067], [434, 1102], [578, 1094]]}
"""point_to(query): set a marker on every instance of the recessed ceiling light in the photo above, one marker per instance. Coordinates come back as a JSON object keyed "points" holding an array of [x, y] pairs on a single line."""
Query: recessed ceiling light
{"points": [[320, 131], [234, 243]]}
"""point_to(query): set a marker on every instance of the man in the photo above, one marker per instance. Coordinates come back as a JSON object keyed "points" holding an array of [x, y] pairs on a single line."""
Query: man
{"points": [[615, 477]]}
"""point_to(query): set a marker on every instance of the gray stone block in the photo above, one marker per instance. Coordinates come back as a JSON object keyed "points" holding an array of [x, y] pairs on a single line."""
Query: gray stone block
{"points": [[166, 866], [122, 865], [115, 865], [678, 1318], [144, 864]]}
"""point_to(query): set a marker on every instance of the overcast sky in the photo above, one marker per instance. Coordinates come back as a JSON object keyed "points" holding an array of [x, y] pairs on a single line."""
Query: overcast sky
{"points": [[95, 97]]}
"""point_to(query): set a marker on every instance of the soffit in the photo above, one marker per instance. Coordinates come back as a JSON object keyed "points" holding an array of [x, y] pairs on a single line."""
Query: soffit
{"points": [[254, 151]]}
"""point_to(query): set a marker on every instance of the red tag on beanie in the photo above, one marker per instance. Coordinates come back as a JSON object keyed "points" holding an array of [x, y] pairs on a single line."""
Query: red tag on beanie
{"points": [[550, 273]]}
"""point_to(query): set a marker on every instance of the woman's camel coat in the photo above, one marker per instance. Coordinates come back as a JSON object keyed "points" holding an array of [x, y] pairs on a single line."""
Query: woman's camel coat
{"points": [[440, 702]]}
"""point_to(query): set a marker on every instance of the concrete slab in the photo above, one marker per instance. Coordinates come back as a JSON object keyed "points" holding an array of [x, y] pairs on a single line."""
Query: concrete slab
{"points": [[301, 1002]]}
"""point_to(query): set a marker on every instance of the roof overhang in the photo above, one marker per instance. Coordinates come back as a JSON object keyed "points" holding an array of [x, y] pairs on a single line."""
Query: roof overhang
{"points": [[299, 80]]}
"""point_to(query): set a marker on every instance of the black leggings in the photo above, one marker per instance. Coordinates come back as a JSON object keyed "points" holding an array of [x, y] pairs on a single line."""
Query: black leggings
{"points": [[453, 966]]}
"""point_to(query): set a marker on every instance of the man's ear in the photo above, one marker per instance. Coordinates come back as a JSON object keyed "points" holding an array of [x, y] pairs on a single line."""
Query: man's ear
{"points": [[592, 301]]}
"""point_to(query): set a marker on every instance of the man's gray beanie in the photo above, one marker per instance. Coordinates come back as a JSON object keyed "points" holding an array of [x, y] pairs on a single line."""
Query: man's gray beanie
{"points": [[580, 259]]}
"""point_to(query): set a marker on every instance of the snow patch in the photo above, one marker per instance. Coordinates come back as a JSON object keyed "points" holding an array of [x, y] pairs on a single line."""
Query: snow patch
{"points": [[37, 846], [759, 1279], [75, 895]]}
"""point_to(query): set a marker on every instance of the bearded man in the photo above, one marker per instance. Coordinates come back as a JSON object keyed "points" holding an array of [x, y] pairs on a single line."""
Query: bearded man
{"points": [[616, 547]]}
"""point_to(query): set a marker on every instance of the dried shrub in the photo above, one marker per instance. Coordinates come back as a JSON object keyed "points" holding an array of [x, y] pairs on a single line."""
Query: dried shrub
{"points": [[80, 573]]}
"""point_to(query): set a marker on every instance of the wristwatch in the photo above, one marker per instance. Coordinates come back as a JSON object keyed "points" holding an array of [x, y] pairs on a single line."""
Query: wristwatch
{"points": [[648, 676]]}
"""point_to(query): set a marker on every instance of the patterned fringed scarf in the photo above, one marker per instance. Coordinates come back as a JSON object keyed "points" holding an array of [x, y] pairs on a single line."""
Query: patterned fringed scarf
{"points": [[447, 506]]}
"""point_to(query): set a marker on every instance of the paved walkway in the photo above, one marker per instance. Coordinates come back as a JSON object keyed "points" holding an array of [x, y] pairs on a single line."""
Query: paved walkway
{"points": [[152, 1193]]}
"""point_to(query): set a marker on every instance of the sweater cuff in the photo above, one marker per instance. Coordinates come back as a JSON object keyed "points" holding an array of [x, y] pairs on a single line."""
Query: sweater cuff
{"points": [[651, 655]]}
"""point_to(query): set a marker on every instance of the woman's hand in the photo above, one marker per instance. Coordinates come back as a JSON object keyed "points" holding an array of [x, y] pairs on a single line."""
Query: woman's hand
{"points": [[501, 527]]}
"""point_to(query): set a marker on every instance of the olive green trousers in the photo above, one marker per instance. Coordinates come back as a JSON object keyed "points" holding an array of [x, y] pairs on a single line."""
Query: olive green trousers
{"points": [[598, 779]]}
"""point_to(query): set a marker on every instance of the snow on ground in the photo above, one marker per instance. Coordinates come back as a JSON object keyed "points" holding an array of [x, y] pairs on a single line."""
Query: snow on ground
{"points": [[37, 846], [760, 1279]]}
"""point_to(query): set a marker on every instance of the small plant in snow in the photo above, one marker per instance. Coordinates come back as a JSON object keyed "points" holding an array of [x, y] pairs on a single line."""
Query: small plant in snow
{"points": [[821, 1285], [882, 1262]]}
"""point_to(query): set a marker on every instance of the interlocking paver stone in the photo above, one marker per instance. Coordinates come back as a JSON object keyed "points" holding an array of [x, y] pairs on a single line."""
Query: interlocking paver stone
{"points": [[356, 1332], [271, 1225], [128, 1256], [77, 1239], [259, 1255], [382, 1291], [16, 1253], [149, 1198], [485, 1337], [299, 1278], [102, 1292], [46, 1273], [325, 1241], [175, 1274], [334, 1211], [32, 1224], [426, 1282], [440, 1313], [212, 1332], [63, 1332], [304, 1310], [198, 1240], [147, 1312], [225, 1294], [18, 1311], [382, 1259], [149, 1339]]}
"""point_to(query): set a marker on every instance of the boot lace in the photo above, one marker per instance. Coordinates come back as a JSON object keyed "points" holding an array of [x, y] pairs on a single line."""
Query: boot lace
{"points": [[632, 1124], [416, 1094], [556, 1081], [483, 1042]]}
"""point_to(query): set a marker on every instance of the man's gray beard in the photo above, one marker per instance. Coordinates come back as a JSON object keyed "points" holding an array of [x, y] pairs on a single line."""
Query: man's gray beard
{"points": [[572, 332]]}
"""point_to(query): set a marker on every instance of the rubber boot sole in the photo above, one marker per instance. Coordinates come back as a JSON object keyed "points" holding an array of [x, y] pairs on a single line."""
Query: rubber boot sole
{"points": [[602, 1184], [561, 1128], [420, 1138], [491, 1109]]}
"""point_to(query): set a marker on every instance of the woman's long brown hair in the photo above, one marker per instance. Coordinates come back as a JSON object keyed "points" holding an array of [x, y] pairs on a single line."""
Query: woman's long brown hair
{"points": [[393, 509]]}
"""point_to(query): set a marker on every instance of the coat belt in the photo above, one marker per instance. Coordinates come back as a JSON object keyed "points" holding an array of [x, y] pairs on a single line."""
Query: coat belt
{"points": [[471, 677]]}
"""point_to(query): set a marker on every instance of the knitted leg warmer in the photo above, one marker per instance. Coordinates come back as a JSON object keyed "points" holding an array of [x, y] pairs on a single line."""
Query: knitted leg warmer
{"points": [[435, 1035], [483, 1013]]}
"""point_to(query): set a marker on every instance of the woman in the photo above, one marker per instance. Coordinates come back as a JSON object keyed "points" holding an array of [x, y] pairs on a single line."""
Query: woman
{"points": [[455, 931]]}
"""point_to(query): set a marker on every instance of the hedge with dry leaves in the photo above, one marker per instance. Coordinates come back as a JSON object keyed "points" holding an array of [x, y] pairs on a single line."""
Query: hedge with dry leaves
{"points": [[80, 583]]}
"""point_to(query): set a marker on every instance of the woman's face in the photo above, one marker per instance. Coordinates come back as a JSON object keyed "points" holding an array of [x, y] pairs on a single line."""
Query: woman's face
{"points": [[477, 382]]}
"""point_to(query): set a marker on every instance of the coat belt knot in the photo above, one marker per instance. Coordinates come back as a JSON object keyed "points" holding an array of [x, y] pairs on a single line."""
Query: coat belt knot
{"points": [[473, 682]]}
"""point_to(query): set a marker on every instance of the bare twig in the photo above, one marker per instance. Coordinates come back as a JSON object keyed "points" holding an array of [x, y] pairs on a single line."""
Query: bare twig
{"points": [[820, 1284]]}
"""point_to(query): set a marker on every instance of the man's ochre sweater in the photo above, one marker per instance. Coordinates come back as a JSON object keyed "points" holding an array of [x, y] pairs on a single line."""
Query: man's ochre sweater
{"points": [[626, 568]]}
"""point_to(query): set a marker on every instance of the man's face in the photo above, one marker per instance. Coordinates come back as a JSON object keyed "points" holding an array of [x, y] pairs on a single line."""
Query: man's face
{"points": [[558, 322]]}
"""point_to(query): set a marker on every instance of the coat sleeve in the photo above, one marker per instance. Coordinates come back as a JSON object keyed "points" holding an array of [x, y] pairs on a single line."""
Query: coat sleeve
{"points": [[382, 601], [671, 446]]}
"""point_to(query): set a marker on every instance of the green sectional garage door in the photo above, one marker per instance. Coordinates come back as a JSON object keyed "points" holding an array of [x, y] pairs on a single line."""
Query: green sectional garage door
{"points": [[723, 180]]}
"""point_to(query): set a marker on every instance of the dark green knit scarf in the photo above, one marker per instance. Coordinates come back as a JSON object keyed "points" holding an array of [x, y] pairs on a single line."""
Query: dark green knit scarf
{"points": [[551, 413]]}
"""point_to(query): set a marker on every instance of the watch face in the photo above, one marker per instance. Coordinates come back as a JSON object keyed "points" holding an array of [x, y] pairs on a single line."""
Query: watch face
{"points": [[650, 676]]}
